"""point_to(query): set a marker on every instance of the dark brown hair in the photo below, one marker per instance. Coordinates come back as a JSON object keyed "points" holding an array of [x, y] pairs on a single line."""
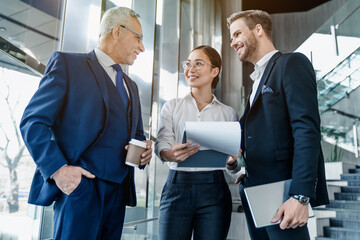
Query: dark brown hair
{"points": [[215, 60], [252, 18]]}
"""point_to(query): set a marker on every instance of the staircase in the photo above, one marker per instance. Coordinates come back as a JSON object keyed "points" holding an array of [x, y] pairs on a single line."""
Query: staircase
{"points": [[346, 224]]}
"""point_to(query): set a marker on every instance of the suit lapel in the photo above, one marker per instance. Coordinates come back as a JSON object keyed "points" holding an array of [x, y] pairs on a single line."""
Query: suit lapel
{"points": [[98, 72], [266, 74]]}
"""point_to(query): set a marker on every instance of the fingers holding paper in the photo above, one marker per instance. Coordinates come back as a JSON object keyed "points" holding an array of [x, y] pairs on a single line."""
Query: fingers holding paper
{"points": [[179, 152], [232, 159], [292, 214], [233, 163]]}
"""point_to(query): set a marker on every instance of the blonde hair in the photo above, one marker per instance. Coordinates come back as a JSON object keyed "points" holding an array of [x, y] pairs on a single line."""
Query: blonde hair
{"points": [[252, 18]]}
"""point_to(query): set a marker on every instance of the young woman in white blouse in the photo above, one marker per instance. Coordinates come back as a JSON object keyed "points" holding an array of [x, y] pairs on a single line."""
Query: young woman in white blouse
{"points": [[196, 201]]}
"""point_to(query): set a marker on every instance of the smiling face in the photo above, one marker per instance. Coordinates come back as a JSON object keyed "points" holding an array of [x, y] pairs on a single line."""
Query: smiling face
{"points": [[128, 43], [201, 76], [243, 40]]}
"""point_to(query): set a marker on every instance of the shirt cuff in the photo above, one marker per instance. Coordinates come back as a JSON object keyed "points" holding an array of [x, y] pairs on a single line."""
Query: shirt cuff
{"points": [[237, 169], [51, 177]]}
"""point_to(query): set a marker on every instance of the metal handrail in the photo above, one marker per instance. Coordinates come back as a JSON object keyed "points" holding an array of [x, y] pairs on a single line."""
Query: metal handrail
{"points": [[134, 223]]}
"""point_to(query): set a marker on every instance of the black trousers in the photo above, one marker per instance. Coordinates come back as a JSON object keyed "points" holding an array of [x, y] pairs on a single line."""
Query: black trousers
{"points": [[197, 203]]}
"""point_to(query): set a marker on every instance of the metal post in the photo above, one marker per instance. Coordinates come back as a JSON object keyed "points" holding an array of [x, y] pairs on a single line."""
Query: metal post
{"points": [[333, 33], [356, 148]]}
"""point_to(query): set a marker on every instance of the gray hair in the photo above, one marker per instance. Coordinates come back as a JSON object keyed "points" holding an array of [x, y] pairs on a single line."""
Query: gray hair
{"points": [[115, 16]]}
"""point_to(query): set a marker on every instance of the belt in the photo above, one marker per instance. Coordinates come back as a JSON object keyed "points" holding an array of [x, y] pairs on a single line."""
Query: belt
{"points": [[216, 176]]}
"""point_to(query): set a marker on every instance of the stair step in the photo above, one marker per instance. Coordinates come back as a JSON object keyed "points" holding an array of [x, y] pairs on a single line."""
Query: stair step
{"points": [[345, 223], [351, 189], [347, 196], [353, 182], [344, 204], [356, 170], [325, 238], [350, 176], [353, 214], [341, 233]]}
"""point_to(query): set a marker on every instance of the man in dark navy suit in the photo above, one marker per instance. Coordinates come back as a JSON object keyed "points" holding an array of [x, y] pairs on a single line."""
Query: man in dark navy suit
{"points": [[280, 126], [77, 127]]}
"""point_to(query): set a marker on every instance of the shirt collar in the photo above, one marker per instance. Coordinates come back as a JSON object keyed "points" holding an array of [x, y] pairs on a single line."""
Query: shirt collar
{"points": [[193, 99], [103, 58], [260, 66]]}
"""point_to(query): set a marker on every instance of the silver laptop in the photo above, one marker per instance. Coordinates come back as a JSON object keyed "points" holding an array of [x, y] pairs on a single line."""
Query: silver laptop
{"points": [[265, 200]]}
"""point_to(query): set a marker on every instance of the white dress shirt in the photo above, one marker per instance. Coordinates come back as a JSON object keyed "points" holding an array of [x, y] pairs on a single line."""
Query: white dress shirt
{"points": [[174, 114], [106, 62], [258, 72]]}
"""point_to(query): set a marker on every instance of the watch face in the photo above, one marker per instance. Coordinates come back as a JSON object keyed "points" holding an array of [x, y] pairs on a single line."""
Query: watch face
{"points": [[304, 200]]}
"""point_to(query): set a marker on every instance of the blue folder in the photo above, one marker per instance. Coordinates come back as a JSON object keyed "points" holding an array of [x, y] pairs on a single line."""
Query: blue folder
{"points": [[205, 159]]}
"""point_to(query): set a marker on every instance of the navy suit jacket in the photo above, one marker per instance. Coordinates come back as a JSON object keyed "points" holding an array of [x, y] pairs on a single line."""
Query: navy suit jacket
{"points": [[281, 130], [67, 116]]}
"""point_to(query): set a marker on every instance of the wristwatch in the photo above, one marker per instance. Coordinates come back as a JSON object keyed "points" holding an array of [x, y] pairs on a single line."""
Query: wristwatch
{"points": [[302, 199], [232, 164]]}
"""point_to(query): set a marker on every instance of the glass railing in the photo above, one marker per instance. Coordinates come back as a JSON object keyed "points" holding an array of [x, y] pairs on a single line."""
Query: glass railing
{"points": [[339, 82], [142, 229]]}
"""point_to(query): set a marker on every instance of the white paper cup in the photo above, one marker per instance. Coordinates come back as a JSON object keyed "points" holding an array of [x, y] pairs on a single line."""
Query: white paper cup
{"points": [[133, 156]]}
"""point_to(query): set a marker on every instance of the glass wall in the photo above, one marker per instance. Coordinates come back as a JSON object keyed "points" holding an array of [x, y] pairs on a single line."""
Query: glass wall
{"points": [[29, 33], [17, 84]]}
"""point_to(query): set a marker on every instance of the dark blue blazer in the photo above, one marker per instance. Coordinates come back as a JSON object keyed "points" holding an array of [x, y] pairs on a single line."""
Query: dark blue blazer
{"points": [[281, 130], [66, 117]]}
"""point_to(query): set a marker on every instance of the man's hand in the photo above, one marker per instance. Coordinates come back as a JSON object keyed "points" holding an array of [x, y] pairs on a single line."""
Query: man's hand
{"points": [[293, 214], [179, 152], [68, 178], [146, 156], [239, 178]]}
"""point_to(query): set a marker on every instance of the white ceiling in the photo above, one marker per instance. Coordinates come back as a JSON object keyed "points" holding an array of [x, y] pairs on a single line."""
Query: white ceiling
{"points": [[36, 45]]}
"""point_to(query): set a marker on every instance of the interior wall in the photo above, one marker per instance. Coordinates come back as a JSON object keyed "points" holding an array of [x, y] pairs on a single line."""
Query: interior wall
{"points": [[290, 30]]}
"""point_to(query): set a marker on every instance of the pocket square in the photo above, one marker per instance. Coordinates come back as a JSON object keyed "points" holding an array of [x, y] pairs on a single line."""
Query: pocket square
{"points": [[266, 90]]}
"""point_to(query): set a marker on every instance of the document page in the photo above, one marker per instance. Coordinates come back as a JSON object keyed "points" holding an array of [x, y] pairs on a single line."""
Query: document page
{"points": [[217, 140], [224, 137]]}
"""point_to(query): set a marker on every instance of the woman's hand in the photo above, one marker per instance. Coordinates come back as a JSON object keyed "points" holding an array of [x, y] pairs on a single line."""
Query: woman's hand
{"points": [[179, 152], [231, 162]]}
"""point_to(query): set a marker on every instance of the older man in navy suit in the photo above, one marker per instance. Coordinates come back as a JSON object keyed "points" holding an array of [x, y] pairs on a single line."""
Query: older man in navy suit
{"points": [[281, 126], [77, 127]]}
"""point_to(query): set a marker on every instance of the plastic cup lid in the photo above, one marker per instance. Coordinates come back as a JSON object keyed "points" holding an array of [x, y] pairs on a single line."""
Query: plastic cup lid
{"points": [[138, 143]]}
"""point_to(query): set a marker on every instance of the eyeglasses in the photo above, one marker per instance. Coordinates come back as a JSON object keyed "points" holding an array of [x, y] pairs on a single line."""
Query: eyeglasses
{"points": [[139, 36], [197, 64]]}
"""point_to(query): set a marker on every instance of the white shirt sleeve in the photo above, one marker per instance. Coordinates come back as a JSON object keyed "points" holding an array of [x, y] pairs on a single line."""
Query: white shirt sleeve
{"points": [[234, 117], [237, 169], [166, 135]]}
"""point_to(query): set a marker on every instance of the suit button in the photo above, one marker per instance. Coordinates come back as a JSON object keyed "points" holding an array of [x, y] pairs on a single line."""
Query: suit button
{"points": [[249, 137]]}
